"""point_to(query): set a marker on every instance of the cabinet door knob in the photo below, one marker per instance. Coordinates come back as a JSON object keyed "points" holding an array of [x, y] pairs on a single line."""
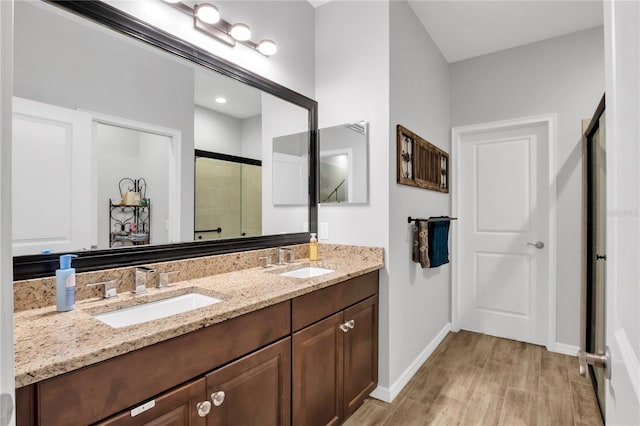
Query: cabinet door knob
{"points": [[351, 323], [344, 327], [217, 398], [203, 408]]}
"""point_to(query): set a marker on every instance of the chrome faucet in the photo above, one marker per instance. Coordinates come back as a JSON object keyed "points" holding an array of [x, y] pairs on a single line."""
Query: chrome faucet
{"points": [[266, 261], [109, 289], [140, 284], [164, 280], [285, 252]]}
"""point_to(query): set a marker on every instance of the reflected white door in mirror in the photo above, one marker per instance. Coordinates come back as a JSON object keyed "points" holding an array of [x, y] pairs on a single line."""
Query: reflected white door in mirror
{"points": [[67, 167]]}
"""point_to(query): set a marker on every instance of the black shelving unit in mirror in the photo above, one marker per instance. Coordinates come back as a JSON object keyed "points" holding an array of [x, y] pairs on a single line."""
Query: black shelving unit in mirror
{"points": [[130, 217]]}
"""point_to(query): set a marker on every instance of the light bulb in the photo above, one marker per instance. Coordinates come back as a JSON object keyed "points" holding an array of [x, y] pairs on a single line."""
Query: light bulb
{"points": [[208, 13], [267, 47], [240, 32]]}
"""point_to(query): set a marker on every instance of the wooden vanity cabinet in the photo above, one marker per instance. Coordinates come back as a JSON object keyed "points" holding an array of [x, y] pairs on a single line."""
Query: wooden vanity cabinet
{"points": [[94, 393], [254, 390], [178, 407], [335, 360], [308, 361]]}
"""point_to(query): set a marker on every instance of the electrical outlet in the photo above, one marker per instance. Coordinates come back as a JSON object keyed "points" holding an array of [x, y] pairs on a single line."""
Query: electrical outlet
{"points": [[323, 231]]}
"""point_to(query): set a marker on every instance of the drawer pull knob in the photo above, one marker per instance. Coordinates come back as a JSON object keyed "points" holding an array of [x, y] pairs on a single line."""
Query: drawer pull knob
{"points": [[203, 408], [217, 398], [351, 324], [344, 327]]}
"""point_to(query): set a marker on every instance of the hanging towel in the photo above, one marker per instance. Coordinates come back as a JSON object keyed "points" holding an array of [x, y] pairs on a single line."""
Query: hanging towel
{"points": [[421, 244], [438, 236]]}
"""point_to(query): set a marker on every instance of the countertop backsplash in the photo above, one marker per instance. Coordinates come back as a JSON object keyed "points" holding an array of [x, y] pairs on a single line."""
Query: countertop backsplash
{"points": [[41, 292]]}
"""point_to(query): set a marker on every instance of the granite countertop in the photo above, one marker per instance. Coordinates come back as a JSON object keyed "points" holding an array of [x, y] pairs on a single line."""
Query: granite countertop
{"points": [[49, 343]]}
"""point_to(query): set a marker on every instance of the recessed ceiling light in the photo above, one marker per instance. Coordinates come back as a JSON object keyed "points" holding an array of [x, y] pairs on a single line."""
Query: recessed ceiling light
{"points": [[267, 47], [240, 32], [172, 1], [221, 100], [208, 13]]}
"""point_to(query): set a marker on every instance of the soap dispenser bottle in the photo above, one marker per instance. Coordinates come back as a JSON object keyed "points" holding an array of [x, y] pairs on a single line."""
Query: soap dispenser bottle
{"points": [[66, 284], [313, 248]]}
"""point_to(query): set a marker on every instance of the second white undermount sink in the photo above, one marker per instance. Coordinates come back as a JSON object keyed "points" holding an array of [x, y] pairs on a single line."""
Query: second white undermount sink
{"points": [[155, 310], [307, 272]]}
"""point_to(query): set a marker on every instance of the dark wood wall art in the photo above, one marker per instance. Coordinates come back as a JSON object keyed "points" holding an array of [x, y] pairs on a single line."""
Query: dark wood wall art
{"points": [[420, 163]]}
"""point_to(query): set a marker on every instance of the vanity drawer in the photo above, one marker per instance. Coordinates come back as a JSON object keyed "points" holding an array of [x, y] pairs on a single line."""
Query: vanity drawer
{"points": [[98, 391], [320, 304]]}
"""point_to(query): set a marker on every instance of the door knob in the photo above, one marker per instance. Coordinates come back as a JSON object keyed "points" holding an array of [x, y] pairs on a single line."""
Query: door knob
{"points": [[217, 398], [344, 327], [350, 323], [537, 244], [601, 360], [203, 408]]}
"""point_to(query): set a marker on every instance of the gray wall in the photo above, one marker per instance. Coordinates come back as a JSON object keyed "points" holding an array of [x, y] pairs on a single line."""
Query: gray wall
{"points": [[352, 83], [67, 62], [419, 100], [565, 76]]}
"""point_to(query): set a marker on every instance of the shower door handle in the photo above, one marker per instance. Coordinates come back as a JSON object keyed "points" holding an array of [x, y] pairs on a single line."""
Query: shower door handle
{"points": [[538, 244]]}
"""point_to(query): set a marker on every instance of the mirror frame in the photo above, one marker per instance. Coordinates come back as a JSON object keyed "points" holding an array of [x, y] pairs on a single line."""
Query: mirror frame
{"points": [[43, 265]]}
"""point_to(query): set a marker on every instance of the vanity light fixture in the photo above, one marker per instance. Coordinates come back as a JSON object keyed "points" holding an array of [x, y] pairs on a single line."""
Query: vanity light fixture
{"points": [[240, 32], [207, 13], [206, 18]]}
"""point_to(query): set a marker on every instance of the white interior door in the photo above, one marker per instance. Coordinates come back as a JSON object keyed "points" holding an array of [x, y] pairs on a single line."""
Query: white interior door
{"points": [[622, 56], [51, 178], [503, 211]]}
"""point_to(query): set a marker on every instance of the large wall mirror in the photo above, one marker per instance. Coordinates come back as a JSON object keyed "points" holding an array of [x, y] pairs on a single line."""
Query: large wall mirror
{"points": [[128, 151]]}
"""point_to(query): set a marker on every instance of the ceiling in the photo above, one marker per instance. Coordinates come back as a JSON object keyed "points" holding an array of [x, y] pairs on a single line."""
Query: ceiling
{"points": [[465, 29], [243, 101]]}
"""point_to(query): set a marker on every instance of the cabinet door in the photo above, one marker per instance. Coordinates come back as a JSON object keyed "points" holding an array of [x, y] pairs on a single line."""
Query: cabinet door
{"points": [[317, 373], [174, 408], [255, 390], [360, 353]]}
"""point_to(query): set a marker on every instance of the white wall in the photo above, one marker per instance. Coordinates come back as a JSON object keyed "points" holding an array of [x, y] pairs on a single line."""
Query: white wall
{"points": [[252, 137], [288, 23], [352, 84], [563, 75], [222, 133], [419, 100], [217, 132]]}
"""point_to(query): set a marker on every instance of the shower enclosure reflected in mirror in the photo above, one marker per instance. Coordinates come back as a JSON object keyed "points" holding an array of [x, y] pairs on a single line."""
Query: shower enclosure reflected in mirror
{"points": [[344, 163]]}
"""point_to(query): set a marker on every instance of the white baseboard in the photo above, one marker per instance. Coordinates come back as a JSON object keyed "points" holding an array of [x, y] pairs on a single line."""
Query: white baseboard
{"points": [[563, 348], [389, 394]]}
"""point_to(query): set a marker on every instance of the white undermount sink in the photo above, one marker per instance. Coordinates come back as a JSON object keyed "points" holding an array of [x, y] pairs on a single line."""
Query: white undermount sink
{"points": [[155, 310], [307, 272]]}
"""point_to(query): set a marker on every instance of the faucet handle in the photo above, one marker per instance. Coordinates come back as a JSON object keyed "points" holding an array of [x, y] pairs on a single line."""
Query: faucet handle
{"points": [[266, 261], [109, 288], [163, 282]]}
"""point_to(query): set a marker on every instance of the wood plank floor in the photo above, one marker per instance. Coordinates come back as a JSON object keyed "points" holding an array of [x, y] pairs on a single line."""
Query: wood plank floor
{"points": [[475, 379]]}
